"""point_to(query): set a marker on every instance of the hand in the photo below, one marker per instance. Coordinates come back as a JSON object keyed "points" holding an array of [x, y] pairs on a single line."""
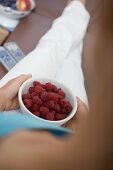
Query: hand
{"points": [[81, 114], [8, 93]]}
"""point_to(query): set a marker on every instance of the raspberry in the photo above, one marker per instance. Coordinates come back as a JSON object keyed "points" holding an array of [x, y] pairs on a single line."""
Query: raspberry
{"points": [[52, 112], [48, 86], [57, 108], [61, 92], [37, 100], [63, 102], [50, 95], [31, 89], [69, 108], [38, 89], [34, 108], [49, 116], [33, 94], [59, 116], [63, 110], [50, 104], [37, 113], [43, 86], [54, 89], [44, 95], [43, 110], [28, 103], [26, 96], [60, 97], [35, 83], [55, 97]]}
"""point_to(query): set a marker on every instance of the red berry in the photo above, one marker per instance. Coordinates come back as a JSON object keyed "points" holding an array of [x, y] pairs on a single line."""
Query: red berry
{"points": [[39, 89], [31, 89], [28, 103], [43, 110], [44, 95], [50, 104], [52, 112], [49, 116], [55, 97], [37, 113], [60, 97], [69, 108], [50, 95], [59, 116], [61, 92], [57, 108], [43, 86], [34, 108], [37, 100], [54, 89], [63, 102], [63, 110], [26, 96], [48, 86], [33, 94], [35, 83]]}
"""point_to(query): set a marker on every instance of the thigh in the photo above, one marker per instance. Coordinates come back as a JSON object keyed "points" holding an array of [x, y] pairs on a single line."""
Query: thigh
{"points": [[71, 75]]}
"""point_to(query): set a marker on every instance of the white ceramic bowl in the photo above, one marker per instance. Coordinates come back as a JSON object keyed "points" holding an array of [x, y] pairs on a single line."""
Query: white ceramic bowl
{"points": [[69, 96], [15, 14]]}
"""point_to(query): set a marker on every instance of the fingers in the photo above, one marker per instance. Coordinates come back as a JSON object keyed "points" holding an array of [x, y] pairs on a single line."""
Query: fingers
{"points": [[13, 85], [20, 79], [82, 108], [10, 89], [23, 77]]}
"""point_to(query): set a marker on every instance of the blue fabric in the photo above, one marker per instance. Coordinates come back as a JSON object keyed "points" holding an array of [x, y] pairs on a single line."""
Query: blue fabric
{"points": [[10, 123]]}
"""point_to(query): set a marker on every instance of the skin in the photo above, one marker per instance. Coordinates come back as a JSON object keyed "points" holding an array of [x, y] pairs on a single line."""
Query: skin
{"points": [[8, 93], [31, 143], [28, 145]]}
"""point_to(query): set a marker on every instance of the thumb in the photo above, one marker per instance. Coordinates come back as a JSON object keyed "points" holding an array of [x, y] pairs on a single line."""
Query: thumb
{"points": [[13, 85], [16, 82], [19, 80]]}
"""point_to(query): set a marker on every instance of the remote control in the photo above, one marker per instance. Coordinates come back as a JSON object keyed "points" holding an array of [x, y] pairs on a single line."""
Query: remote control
{"points": [[14, 50], [6, 59]]}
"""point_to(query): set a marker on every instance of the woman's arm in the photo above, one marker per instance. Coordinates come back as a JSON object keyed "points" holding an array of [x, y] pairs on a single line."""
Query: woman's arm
{"points": [[53, 48]]}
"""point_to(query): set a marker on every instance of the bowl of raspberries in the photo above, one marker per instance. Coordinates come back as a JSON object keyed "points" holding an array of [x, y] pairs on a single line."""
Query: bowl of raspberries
{"points": [[48, 100], [16, 9]]}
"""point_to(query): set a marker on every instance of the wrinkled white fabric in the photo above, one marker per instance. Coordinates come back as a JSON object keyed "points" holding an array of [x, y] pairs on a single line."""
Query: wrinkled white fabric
{"points": [[58, 53]]}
